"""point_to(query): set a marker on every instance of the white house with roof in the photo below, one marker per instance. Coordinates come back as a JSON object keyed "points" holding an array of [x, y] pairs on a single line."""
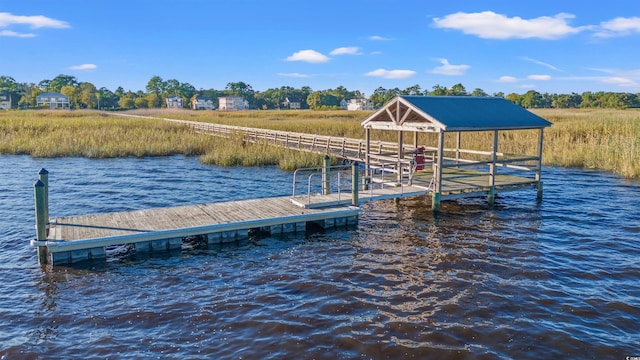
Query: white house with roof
{"points": [[5, 101], [357, 104], [53, 100], [291, 103], [232, 102], [174, 102], [202, 103]]}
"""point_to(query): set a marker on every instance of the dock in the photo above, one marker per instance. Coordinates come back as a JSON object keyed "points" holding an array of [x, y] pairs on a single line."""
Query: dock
{"points": [[76, 239], [332, 198]]}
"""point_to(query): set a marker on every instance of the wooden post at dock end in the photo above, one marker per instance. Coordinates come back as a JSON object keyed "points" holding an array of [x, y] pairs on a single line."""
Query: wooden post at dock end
{"points": [[41, 220], [354, 184], [43, 175], [325, 175], [540, 190]]}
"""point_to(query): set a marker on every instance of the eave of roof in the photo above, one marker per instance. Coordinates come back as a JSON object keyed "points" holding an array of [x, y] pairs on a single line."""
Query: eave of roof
{"points": [[452, 113]]}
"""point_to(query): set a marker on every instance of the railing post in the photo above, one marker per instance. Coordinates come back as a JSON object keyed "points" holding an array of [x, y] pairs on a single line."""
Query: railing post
{"points": [[354, 184], [325, 175], [43, 175], [41, 221]]}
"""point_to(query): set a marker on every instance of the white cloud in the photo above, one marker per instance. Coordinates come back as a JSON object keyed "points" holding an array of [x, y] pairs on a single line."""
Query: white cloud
{"points": [[35, 22], [346, 51], [449, 69], [84, 67], [507, 79], [539, 77], [310, 56], [391, 74], [619, 27], [540, 63], [620, 81], [489, 25], [378, 38], [293, 75], [10, 33]]}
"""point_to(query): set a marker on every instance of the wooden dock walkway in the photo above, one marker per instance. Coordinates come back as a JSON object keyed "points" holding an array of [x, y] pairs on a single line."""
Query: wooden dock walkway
{"points": [[80, 238]]}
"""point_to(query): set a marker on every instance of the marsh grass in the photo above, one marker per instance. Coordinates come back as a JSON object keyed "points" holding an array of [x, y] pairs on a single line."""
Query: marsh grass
{"points": [[94, 135], [607, 140], [597, 139]]}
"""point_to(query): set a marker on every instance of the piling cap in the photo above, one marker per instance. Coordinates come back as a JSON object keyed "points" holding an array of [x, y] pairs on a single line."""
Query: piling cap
{"points": [[38, 183], [43, 171]]}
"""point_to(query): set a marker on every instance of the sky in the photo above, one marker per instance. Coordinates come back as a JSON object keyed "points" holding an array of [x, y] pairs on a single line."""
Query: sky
{"points": [[498, 46]]}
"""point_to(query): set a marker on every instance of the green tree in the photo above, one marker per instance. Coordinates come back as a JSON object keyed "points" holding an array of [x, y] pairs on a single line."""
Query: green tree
{"points": [[61, 81], [29, 93], [74, 95], [106, 99], [478, 92], [514, 98], [439, 90], [532, 99], [10, 86], [314, 100], [127, 101], [156, 86], [412, 90], [88, 96], [141, 103], [457, 90]]}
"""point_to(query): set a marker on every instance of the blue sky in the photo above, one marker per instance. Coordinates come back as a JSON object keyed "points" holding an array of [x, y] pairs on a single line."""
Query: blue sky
{"points": [[499, 46]]}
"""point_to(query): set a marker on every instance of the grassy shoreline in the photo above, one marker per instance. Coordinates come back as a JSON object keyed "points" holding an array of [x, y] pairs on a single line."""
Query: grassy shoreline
{"points": [[607, 140]]}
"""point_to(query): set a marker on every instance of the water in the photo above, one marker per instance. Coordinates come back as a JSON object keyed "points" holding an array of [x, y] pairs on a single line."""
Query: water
{"points": [[524, 280]]}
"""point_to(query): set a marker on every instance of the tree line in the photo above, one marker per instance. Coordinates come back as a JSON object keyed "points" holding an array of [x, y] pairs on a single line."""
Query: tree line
{"points": [[84, 95]]}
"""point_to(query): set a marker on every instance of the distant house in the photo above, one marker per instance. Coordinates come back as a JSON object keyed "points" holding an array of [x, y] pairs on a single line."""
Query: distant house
{"points": [[357, 104], [226, 103], [174, 102], [202, 103], [5, 101], [291, 103], [53, 100]]}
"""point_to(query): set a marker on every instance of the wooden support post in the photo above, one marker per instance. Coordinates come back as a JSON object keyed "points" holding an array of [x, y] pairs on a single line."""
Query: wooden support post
{"points": [[491, 198], [41, 221], [539, 164], [354, 184], [43, 175], [458, 143], [539, 196], [437, 173], [325, 175], [367, 154], [400, 155]]}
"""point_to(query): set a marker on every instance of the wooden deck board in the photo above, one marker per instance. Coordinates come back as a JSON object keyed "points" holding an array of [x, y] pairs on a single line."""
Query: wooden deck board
{"points": [[120, 223]]}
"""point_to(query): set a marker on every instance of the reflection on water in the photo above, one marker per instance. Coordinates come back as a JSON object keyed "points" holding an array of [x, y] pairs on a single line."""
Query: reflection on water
{"points": [[520, 280]]}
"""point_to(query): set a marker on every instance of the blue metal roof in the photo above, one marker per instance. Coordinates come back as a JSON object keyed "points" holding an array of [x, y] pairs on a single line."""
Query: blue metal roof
{"points": [[453, 113]]}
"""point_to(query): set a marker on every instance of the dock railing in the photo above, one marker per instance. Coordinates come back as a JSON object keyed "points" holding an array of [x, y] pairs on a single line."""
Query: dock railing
{"points": [[342, 182]]}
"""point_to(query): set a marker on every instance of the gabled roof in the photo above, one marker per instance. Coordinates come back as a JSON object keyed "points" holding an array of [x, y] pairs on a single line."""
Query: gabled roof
{"points": [[452, 113], [52, 94]]}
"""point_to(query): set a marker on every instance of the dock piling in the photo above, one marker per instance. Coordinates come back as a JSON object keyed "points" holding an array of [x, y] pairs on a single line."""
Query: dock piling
{"points": [[325, 175], [41, 220], [43, 175], [354, 184]]}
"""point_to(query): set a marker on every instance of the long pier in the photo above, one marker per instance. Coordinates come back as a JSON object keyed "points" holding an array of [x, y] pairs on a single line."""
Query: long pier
{"points": [[69, 240]]}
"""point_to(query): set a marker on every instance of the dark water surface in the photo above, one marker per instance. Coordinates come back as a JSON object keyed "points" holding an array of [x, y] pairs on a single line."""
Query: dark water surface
{"points": [[524, 280]]}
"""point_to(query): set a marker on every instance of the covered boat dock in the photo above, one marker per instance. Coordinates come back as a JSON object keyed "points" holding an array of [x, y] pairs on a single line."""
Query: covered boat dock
{"points": [[435, 156]]}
